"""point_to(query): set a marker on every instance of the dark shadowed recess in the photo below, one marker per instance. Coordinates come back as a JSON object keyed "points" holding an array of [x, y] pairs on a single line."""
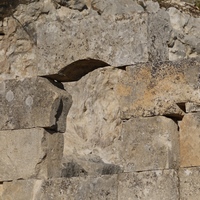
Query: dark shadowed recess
{"points": [[77, 69], [7, 7]]}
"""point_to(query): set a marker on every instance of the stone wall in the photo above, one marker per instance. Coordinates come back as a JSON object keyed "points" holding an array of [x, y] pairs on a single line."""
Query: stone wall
{"points": [[133, 71]]}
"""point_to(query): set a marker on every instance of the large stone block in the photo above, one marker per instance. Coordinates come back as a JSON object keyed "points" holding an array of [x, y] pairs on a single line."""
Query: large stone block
{"points": [[127, 38], [33, 102], [106, 97], [190, 140], [148, 144], [30, 153], [151, 185], [101, 188], [189, 183]]}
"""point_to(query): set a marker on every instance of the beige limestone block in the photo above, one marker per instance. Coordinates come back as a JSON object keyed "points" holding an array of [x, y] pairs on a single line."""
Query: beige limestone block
{"points": [[106, 97], [189, 183], [151, 89], [96, 188], [33, 102], [148, 144], [190, 140], [30, 153], [151, 185]]}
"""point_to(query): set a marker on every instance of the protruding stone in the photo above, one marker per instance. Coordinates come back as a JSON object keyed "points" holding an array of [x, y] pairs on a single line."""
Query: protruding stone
{"points": [[190, 140], [33, 102], [189, 183], [149, 185], [30, 153]]}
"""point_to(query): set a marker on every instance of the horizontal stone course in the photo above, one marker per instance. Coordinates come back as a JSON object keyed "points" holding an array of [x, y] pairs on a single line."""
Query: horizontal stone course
{"points": [[31, 103], [30, 153], [153, 185]]}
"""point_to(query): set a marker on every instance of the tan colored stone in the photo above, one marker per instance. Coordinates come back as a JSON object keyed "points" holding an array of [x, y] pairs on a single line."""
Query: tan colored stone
{"points": [[148, 144], [30, 153], [101, 188], [106, 97], [189, 183], [151, 185], [190, 140], [33, 102]]}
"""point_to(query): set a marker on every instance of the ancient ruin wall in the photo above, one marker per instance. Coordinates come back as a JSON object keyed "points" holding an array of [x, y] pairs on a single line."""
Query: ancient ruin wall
{"points": [[132, 130]]}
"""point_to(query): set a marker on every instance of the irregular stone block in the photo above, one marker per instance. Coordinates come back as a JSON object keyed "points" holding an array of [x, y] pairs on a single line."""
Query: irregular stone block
{"points": [[189, 183], [151, 89], [190, 140], [149, 185], [33, 102], [127, 37], [192, 107], [106, 97], [30, 153], [104, 187]]}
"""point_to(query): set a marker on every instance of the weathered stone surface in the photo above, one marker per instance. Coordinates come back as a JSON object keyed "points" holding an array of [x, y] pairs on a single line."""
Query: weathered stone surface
{"points": [[190, 140], [33, 102], [104, 98], [158, 88], [101, 188], [192, 107], [189, 183], [140, 144], [185, 40], [150, 185], [30, 153]]}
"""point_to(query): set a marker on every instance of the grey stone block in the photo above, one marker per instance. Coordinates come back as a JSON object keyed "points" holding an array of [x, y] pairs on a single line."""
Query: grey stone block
{"points": [[33, 102], [151, 185]]}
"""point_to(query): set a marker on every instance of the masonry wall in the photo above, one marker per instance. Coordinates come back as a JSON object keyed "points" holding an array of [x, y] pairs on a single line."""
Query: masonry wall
{"points": [[99, 101]]}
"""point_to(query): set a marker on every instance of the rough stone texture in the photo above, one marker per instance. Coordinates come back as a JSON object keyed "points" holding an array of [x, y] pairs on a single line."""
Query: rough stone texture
{"points": [[185, 41], [150, 185], [33, 102], [41, 28], [106, 97], [192, 107], [190, 140], [30, 153], [141, 144], [96, 188], [189, 183]]}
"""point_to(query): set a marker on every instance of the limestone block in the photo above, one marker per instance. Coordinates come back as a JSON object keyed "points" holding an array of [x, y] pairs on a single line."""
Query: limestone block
{"points": [[148, 144], [151, 185], [189, 183], [106, 97], [190, 140], [101, 188], [158, 88], [30, 153], [117, 33], [192, 107], [33, 102]]}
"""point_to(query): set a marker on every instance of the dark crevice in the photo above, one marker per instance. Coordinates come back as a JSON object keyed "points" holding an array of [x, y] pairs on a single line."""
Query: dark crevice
{"points": [[122, 67], [182, 106], [76, 70]]}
